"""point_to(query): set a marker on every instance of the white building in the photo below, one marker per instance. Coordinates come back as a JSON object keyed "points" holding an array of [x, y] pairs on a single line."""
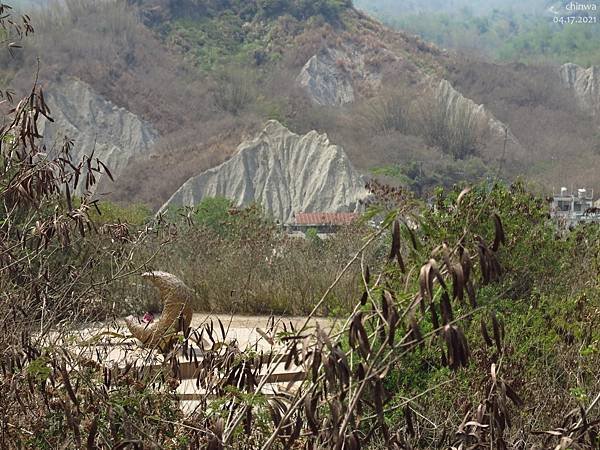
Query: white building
{"points": [[572, 208]]}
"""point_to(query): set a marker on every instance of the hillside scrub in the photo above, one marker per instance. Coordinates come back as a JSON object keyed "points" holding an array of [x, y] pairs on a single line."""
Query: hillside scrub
{"points": [[523, 32], [230, 68], [191, 64], [248, 10], [480, 259], [470, 321], [458, 132]]}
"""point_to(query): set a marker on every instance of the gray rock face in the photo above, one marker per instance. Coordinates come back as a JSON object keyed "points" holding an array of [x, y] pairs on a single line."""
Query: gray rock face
{"points": [[95, 124], [282, 171], [331, 76], [326, 82], [585, 84], [456, 102]]}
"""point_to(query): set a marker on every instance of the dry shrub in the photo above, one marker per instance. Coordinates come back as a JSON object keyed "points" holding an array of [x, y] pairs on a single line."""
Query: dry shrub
{"points": [[456, 129], [389, 112], [540, 112], [307, 44], [55, 270], [106, 45], [235, 89], [264, 271]]}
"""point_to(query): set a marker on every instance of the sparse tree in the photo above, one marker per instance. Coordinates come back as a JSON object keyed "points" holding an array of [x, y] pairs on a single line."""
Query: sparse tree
{"points": [[455, 128], [387, 113], [234, 90]]}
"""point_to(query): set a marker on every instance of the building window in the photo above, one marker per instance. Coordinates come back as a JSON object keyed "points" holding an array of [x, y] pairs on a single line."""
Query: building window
{"points": [[564, 205]]}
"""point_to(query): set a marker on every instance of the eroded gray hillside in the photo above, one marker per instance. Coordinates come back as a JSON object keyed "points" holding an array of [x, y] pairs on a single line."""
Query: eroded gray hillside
{"points": [[324, 81], [334, 75], [585, 84], [282, 171], [94, 124], [496, 131]]}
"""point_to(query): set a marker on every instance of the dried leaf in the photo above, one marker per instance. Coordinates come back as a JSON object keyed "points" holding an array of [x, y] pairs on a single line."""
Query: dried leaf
{"points": [[364, 298], [461, 196], [497, 332], [446, 308], [486, 336], [395, 250], [499, 237]]}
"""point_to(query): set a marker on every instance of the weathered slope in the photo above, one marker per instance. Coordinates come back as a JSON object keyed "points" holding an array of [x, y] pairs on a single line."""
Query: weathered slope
{"points": [[96, 125], [585, 84], [354, 65], [282, 171], [334, 75], [324, 81], [558, 136], [496, 130]]}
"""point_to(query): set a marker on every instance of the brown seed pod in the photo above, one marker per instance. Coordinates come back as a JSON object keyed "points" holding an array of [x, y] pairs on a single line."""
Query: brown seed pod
{"points": [[500, 237]]}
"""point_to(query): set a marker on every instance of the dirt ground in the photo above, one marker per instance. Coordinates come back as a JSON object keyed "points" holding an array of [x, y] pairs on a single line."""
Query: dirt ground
{"points": [[262, 322]]}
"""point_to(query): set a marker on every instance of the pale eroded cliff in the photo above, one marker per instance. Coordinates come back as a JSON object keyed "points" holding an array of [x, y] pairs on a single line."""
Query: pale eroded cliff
{"points": [[282, 171], [585, 84], [94, 124]]}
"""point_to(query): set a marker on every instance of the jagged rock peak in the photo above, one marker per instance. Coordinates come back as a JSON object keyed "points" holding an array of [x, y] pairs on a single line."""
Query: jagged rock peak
{"points": [[284, 172], [94, 124]]}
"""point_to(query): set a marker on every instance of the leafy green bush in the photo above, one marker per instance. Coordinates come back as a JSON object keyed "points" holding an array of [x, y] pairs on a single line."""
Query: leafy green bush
{"points": [[422, 178], [303, 9], [541, 298], [213, 213], [111, 213]]}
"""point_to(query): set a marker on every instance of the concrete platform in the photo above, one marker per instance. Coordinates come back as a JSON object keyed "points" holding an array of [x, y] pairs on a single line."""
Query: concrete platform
{"points": [[110, 346]]}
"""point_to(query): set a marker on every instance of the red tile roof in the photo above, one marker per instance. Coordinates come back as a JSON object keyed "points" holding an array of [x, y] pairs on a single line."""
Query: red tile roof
{"points": [[325, 218]]}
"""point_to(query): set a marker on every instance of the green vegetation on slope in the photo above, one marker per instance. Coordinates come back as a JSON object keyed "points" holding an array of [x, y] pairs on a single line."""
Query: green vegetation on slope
{"points": [[472, 314], [252, 9], [422, 178], [230, 67], [506, 31], [479, 7], [238, 31]]}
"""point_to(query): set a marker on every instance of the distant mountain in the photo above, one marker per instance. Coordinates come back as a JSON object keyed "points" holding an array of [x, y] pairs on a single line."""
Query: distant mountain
{"points": [[507, 30], [457, 7], [205, 76]]}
